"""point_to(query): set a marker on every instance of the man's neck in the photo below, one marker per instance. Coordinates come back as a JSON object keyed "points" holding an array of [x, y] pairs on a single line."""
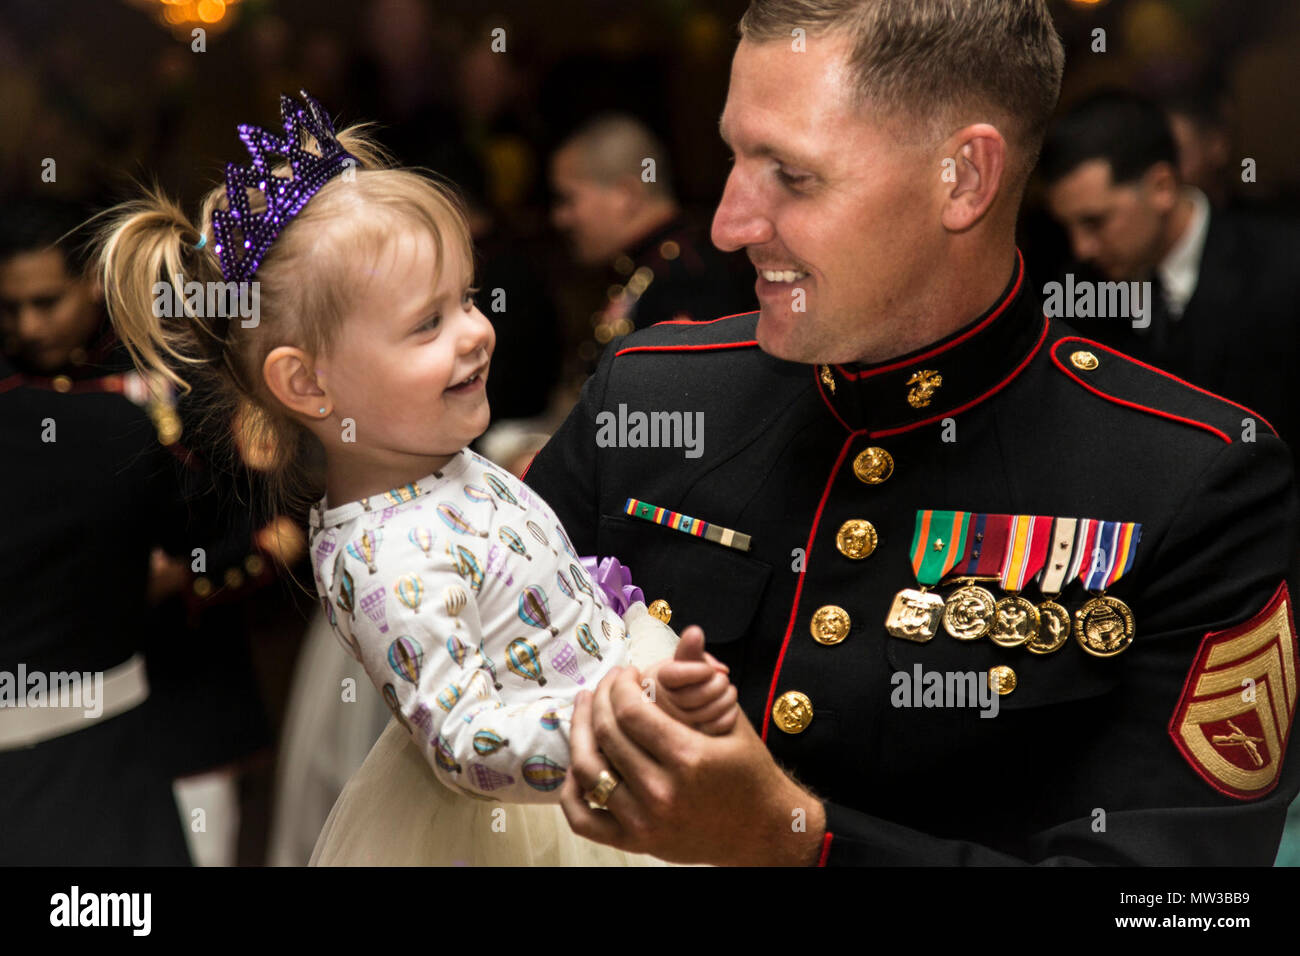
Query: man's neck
{"points": [[646, 221], [1180, 220], [952, 299]]}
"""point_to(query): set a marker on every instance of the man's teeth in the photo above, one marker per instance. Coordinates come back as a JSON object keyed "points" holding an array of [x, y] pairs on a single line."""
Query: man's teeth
{"points": [[788, 275]]}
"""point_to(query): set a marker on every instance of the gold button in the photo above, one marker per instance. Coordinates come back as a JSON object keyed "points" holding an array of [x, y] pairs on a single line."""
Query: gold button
{"points": [[660, 610], [856, 539], [1084, 360], [873, 465], [254, 564], [670, 250], [1002, 679], [61, 383], [234, 577], [793, 712], [202, 587], [830, 624]]}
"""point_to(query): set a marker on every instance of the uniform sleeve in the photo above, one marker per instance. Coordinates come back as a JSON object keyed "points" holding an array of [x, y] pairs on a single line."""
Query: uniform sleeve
{"points": [[564, 473], [437, 668], [1231, 545]]}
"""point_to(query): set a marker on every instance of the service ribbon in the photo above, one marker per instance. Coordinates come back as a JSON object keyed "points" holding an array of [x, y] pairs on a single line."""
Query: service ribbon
{"points": [[938, 540], [1059, 553], [1026, 550]]}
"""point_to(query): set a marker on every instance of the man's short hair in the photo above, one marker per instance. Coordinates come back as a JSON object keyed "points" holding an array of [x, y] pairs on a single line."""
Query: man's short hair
{"points": [[1125, 129], [938, 60], [612, 146], [37, 223]]}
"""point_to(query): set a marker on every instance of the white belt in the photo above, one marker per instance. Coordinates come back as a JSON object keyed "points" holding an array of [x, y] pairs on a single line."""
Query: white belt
{"points": [[124, 687]]}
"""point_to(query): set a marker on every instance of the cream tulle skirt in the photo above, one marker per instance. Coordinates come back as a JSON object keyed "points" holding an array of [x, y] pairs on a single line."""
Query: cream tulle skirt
{"points": [[394, 812]]}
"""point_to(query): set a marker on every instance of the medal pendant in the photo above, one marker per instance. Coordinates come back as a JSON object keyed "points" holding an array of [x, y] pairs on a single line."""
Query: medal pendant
{"points": [[915, 615], [1015, 621], [1104, 626], [1053, 629], [968, 613]]}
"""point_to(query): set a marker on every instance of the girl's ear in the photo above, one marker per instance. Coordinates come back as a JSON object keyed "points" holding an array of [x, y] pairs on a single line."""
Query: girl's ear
{"points": [[288, 373]]}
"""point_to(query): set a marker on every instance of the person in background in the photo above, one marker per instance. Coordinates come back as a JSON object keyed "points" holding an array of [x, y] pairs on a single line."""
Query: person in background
{"points": [[135, 581], [1226, 285], [614, 200]]}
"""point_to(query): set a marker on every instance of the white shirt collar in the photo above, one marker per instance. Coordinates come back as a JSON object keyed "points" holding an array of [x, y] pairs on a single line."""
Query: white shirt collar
{"points": [[1181, 268]]}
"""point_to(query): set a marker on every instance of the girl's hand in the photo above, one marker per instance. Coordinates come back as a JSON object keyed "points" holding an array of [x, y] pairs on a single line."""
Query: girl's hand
{"points": [[694, 688]]}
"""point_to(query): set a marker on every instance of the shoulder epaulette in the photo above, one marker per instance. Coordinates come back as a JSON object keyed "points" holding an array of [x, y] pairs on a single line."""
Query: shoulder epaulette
{"points": [[1123, 380], [685, 335]]}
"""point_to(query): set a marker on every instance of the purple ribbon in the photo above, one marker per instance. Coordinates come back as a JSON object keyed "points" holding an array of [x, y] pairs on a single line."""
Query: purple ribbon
{"points": [[615, 580]]}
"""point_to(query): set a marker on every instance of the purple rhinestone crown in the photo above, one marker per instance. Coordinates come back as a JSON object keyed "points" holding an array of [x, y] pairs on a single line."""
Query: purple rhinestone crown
{"points": [[243, 236]]}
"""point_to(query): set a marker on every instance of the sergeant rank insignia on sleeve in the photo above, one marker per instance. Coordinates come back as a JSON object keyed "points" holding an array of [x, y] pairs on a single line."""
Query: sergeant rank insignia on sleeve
{"points": [[1234, 717]]}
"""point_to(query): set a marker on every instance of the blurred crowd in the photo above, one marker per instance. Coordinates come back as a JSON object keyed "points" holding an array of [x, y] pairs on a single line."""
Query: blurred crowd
{"points": [[172, 579]]}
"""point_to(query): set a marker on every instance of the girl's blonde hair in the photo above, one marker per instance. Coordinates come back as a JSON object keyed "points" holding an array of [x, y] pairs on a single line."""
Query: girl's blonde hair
{"points": [[306, 285]]}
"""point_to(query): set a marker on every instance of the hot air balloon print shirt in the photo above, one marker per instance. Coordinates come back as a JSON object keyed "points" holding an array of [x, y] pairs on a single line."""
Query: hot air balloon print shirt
{"points": [[464, 600]]}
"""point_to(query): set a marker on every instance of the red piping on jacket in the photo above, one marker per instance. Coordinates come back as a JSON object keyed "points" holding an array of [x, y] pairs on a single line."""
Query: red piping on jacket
{"points": [[686, 348], [1007, 300], [960, 408], [826, 848], [1152, 368], [798, 590], [703, 321]]}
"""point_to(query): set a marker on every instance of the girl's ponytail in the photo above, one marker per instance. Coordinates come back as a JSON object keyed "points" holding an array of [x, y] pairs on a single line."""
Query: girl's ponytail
{"points": [[145, 242]]}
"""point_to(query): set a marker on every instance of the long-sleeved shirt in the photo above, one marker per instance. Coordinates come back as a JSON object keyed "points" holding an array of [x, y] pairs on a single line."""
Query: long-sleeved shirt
{"points": [[464, 600]]}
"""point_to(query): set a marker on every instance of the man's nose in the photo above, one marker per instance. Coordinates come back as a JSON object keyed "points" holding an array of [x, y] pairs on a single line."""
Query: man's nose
{"points": [[31, 321], [738, 221], [1084, 245]]}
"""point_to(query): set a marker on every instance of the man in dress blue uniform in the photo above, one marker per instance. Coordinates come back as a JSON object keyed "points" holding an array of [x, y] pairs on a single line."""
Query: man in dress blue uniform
{"points": [[898, 429]]}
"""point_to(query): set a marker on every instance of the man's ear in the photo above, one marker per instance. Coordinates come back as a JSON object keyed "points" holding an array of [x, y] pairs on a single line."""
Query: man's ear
{"points": [[288, 373], [1162, 186], [979, 161]]}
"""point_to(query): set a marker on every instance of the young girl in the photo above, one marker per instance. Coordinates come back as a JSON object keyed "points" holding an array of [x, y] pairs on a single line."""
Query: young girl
{"points": [[452, 583]]}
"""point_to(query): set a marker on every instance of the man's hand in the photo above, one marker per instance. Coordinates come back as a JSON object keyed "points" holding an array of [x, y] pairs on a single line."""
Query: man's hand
{"points": [[685, 797]]}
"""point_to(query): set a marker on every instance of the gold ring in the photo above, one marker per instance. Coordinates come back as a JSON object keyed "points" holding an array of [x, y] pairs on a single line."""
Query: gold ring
{"points": [[606, 784]]}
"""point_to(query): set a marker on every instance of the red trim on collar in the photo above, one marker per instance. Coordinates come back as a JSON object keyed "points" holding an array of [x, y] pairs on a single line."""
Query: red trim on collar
{"points": [[10, 382], [686, 348], [1159, 371], [974, 401], [826, 848], [798, 590], [524, 473], [1001, 307], [1135, 405], [817, 380], [703, 321]]}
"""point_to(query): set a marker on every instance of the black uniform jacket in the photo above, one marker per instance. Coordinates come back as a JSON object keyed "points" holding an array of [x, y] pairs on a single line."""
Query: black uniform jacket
{"points": [[1089, 759]]}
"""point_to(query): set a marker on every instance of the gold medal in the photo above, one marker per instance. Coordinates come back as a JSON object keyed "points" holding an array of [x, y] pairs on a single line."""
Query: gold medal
{"points": [[1053, 629], [915, 615], [968, 613], [1015, 621], [1104, 626]]}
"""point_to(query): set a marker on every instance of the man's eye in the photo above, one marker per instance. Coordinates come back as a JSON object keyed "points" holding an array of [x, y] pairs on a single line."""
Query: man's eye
{"points": [[792, 180]]}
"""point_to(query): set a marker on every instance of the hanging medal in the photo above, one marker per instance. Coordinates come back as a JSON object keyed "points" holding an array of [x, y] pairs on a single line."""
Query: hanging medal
{"points": [[1054, 620], [1015, 618], [968, 613], [937, 542], [1104, 625]]}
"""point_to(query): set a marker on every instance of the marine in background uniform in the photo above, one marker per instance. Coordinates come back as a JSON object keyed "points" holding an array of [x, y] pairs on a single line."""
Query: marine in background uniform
{"points": [[808, 540]]}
